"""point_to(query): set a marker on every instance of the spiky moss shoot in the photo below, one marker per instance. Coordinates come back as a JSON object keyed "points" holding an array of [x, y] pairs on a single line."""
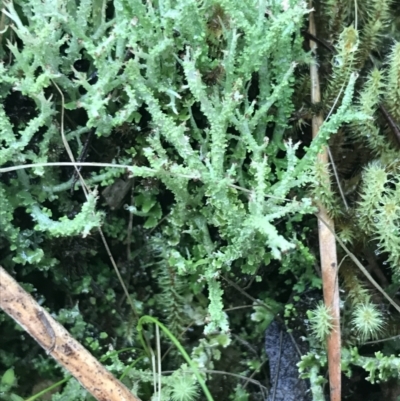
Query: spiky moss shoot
{"points": [[321, 321], [184, 388], [367, 321]]}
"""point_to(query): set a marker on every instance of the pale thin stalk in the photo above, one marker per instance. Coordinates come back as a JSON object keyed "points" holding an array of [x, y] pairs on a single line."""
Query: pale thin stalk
{"points": [[158, 373], [86, 191]]}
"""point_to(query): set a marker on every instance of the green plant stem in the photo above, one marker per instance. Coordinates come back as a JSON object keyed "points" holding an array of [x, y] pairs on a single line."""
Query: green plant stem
{"points": [[150, 319]]}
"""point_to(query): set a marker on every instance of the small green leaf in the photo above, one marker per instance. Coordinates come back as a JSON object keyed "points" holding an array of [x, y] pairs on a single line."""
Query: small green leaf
{"points": [[8, 378], [150, 222]]}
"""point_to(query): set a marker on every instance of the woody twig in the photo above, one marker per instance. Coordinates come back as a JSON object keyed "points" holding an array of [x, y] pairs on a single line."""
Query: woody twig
{"points": [[57, 342], [327, 244]]}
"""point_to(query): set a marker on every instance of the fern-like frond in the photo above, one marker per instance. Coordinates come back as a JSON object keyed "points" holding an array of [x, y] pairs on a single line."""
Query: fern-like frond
{"points": [[377, 19], [392, 96], [336, 13], [368, 132], [342, 65], [355, 289]]}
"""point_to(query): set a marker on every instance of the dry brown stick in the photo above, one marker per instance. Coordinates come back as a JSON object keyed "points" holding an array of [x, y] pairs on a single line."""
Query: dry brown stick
{"points": [[389, 119], [327, 245], [56, 340]]}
